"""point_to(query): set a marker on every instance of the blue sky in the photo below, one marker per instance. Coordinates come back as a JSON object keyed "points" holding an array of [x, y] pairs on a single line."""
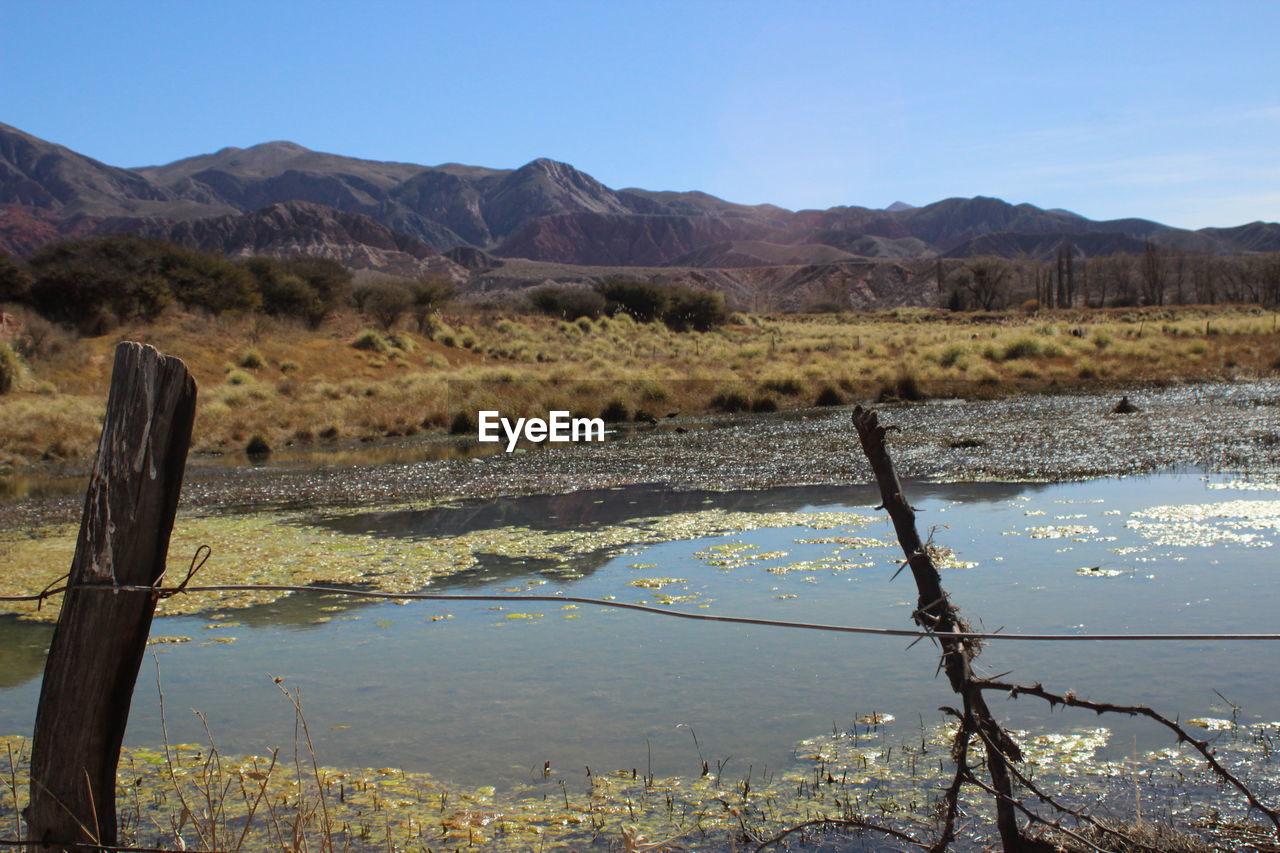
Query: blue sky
{"points": [[1168, 111]]}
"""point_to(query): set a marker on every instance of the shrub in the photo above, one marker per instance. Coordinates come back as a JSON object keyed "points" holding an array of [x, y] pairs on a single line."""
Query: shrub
{"points": [[12, 369], [387, 302], [787, 385], [15, 279], [1021, 348], [640, 300], [461, 424], [829, 396], [306, 288], [208, 281], [730, 401], [951, 354], [404, 343], [89, 283], [615, 411], [427, 296], [700, 310], [907, 386], [370, 341], [568, 302], [252, 359], [764, 404], [40, 338], [289, 366], [257, 446], [238, 377]]}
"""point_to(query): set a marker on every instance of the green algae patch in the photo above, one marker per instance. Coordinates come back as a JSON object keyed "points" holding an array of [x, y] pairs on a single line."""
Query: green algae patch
{"points": [[655, 583], [1075, 532], [297, 549]]}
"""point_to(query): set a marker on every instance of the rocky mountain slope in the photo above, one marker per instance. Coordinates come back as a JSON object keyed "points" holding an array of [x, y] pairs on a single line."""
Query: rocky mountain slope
{"points": [[280, 197]]}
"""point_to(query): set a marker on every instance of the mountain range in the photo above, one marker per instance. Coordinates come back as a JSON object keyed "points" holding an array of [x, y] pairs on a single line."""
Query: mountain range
{"points": [[398, 218]]}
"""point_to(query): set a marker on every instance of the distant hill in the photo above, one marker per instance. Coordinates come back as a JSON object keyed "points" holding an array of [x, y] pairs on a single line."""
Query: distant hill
{"points": [[269, 197], [302, 228]]}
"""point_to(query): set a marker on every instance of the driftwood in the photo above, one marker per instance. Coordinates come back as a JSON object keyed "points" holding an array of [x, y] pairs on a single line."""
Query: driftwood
{"points": [[102, 630]]}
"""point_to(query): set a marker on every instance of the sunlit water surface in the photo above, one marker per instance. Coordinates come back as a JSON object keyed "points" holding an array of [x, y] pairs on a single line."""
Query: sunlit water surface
{"points": [[470, 694]]}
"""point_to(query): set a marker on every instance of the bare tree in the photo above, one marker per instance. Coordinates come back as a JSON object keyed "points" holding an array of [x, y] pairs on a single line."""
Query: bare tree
{"points": [[986, 279]]}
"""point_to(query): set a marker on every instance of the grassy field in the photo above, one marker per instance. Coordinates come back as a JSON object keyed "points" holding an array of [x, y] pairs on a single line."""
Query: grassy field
{"points": [[286, 384]]}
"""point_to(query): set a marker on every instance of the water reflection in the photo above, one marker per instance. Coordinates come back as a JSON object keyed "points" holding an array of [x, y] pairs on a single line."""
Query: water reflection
{"points": [[23, 646], [591, 508]]}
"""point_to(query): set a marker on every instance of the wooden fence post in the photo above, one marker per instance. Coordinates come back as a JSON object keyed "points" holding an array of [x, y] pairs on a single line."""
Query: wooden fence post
{"points": [[101, 635]]}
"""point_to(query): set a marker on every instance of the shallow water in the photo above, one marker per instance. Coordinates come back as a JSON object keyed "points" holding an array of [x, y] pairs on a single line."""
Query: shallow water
{"points": [[470, 694]]}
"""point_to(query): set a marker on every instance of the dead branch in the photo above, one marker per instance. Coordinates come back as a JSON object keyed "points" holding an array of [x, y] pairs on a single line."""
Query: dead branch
{"points": [[847, 822], [1183, 736], [1078, 814], [951, 798], [935, 612]]}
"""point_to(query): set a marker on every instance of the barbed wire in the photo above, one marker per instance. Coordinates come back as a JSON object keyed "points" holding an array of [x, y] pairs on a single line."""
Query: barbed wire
{"points": [[185, 588]]}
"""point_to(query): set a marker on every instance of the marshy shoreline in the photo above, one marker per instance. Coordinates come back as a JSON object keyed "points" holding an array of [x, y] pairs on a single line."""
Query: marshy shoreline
{"points": [[1219, 427], [1229, 428]]}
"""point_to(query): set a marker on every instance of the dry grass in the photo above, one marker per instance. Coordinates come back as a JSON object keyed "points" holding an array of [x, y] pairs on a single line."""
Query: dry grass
{"points": [[260, 376]]}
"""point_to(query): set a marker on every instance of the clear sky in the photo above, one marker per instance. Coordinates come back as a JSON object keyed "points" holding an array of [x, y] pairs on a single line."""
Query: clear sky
{"points": [[1163, 110]]}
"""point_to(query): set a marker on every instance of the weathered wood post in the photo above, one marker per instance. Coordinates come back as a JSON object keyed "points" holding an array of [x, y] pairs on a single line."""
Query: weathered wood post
{"points": [[101, 635]]}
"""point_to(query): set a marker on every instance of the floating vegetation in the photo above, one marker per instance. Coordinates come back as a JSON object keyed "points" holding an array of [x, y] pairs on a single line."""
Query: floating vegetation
{"points": [[851, 541], [803, 566], [655, 583], [1062, 531], [870, 769], [1247, 485], [1245, 523], [1098, 572], [293, 548], [1266, 511], [1212, 724], [945, 558]]}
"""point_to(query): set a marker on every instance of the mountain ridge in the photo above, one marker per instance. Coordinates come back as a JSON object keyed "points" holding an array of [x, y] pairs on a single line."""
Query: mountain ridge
{"points": [[545, 210]]}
